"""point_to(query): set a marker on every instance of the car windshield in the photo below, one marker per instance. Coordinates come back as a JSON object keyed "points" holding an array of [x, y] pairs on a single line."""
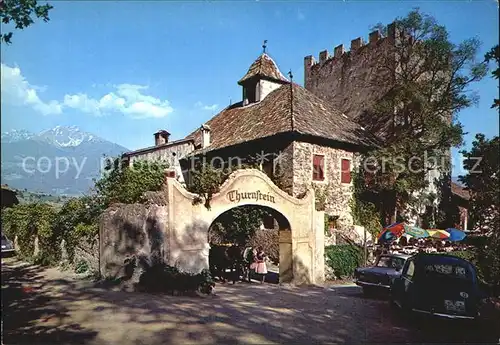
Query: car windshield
{"points": [[447, 270], [390, 262]]}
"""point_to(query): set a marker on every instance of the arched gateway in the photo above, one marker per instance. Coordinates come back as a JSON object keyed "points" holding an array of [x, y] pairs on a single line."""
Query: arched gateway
{"points": [[184, 226], [304, 244]]}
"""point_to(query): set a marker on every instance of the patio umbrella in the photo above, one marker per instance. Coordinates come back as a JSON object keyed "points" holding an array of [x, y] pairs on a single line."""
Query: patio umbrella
{"points": [[455, 234], [440, 234], [391, 232], [386, 236], [396, 228], [416, 232]]}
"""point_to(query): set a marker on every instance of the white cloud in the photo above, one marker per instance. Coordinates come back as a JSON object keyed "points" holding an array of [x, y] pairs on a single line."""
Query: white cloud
{"points": [[206, 107], [18, 91], [128, 99]]}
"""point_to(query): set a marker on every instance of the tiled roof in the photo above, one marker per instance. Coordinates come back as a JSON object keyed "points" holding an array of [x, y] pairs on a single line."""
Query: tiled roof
{"points": [[306, 114], [264, 66], [460, 191], [156, 147]]}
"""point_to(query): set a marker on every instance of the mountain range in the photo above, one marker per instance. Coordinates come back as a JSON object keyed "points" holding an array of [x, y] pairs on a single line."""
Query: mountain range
{"points": [[61, 160]]}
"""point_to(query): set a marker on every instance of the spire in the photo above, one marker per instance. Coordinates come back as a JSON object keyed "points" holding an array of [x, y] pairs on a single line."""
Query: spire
{"points": [[264, 46]]}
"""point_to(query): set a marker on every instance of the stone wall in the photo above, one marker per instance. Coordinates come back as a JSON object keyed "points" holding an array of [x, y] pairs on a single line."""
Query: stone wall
{"points": [[338, 194], [129, 230], [352, 81]]}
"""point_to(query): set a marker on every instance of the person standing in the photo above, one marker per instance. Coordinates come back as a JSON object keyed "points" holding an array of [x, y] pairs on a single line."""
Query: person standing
{"points": [[261, 267]]}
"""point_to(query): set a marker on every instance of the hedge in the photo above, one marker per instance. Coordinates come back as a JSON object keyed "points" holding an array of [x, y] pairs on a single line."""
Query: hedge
{"points": [[343, 259]]}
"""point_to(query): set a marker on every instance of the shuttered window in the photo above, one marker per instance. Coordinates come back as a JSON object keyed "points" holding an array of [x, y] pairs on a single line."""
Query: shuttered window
{"points": [[318, 168], [170, 173], [345, 176]]}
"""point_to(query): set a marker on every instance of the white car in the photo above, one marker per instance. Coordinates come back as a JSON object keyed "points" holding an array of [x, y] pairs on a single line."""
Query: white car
{"points": [[7, 246]]}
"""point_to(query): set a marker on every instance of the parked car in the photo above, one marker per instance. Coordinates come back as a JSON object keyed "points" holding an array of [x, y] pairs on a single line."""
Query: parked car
{"points": [[387, 267], [438, 284], [7, 246]]}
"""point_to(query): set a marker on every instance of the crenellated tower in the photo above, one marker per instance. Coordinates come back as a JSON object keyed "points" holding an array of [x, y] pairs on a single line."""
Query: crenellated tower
{"points": [[352, 80]]}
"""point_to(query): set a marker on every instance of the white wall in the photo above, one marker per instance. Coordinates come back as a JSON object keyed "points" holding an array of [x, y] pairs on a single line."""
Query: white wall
{"points": [[264, 88]]}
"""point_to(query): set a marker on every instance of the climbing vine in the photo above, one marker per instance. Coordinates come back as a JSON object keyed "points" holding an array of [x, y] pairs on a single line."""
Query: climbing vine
{"points": [[364, 210]]}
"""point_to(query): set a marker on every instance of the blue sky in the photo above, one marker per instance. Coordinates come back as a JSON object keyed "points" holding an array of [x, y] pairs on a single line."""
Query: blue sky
{"points": [[173, 65]]}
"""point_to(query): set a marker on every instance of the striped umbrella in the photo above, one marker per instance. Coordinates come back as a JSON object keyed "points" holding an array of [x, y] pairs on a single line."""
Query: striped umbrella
{"points": [[396, 228], [455, 234], [386, 236], [440, 234], [391, 232], [416, 232]]}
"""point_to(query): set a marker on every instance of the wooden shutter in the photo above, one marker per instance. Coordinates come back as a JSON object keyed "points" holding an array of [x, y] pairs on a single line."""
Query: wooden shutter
{"points": [[318, 168], [170, 173], [345, 176]]}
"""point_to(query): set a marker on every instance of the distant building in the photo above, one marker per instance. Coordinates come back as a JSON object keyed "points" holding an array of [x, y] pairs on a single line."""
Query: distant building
{"points": [[462, 197], [9, 197]]}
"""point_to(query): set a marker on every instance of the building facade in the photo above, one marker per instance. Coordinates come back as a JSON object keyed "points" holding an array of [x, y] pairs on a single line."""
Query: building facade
{"points": [[281, 126]]}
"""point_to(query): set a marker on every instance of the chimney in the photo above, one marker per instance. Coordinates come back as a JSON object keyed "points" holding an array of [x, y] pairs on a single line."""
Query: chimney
{"points": [[205, 136], [161, 137]]}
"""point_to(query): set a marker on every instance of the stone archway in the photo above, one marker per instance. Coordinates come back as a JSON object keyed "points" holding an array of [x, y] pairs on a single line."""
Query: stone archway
{"points": [[188, 224]]}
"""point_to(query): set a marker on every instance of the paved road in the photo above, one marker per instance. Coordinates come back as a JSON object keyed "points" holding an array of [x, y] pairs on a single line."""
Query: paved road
{"points": [[45, 306]]}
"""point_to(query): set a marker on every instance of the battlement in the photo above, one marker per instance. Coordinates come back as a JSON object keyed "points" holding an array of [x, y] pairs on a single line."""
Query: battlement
{"points": [[374, 39]]}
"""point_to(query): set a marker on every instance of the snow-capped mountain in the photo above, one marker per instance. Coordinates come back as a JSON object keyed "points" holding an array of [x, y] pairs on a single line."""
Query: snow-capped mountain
{"points": [[29, 160], [16, 135], [60, 136], [67, 136]]}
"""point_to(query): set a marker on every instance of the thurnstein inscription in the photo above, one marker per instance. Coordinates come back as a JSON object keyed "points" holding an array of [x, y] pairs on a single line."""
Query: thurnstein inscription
{"points": [[237, 196]]}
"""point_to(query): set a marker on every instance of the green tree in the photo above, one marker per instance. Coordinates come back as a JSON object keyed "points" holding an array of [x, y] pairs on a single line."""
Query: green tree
{"points": [[21, 13], [123, 183], [494, 54], [29, 221], [237, 225], [482, 180], [430, 78]]}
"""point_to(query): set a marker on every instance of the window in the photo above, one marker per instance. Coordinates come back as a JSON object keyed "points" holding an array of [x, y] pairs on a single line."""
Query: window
{"points": [[267, 167], [409, 269], [170, 173], [390, 262], [370, 169], [345, 174], [318, 168]]}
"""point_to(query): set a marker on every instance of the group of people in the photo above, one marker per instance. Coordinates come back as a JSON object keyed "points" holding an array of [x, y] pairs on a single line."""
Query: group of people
{"points": [[256, 259], [413, 246]]}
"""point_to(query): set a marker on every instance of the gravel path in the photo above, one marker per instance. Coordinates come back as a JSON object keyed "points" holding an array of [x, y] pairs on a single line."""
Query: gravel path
{"points": [[46, 306]]}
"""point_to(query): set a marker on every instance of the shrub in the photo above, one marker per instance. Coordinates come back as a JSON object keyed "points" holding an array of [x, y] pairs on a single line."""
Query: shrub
{"points": [[471, 256], [343, 259], [161, 278], [81, 266]]}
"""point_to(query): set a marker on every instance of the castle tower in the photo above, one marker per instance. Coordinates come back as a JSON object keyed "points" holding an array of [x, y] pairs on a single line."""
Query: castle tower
{"points": [[352, 80]]}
